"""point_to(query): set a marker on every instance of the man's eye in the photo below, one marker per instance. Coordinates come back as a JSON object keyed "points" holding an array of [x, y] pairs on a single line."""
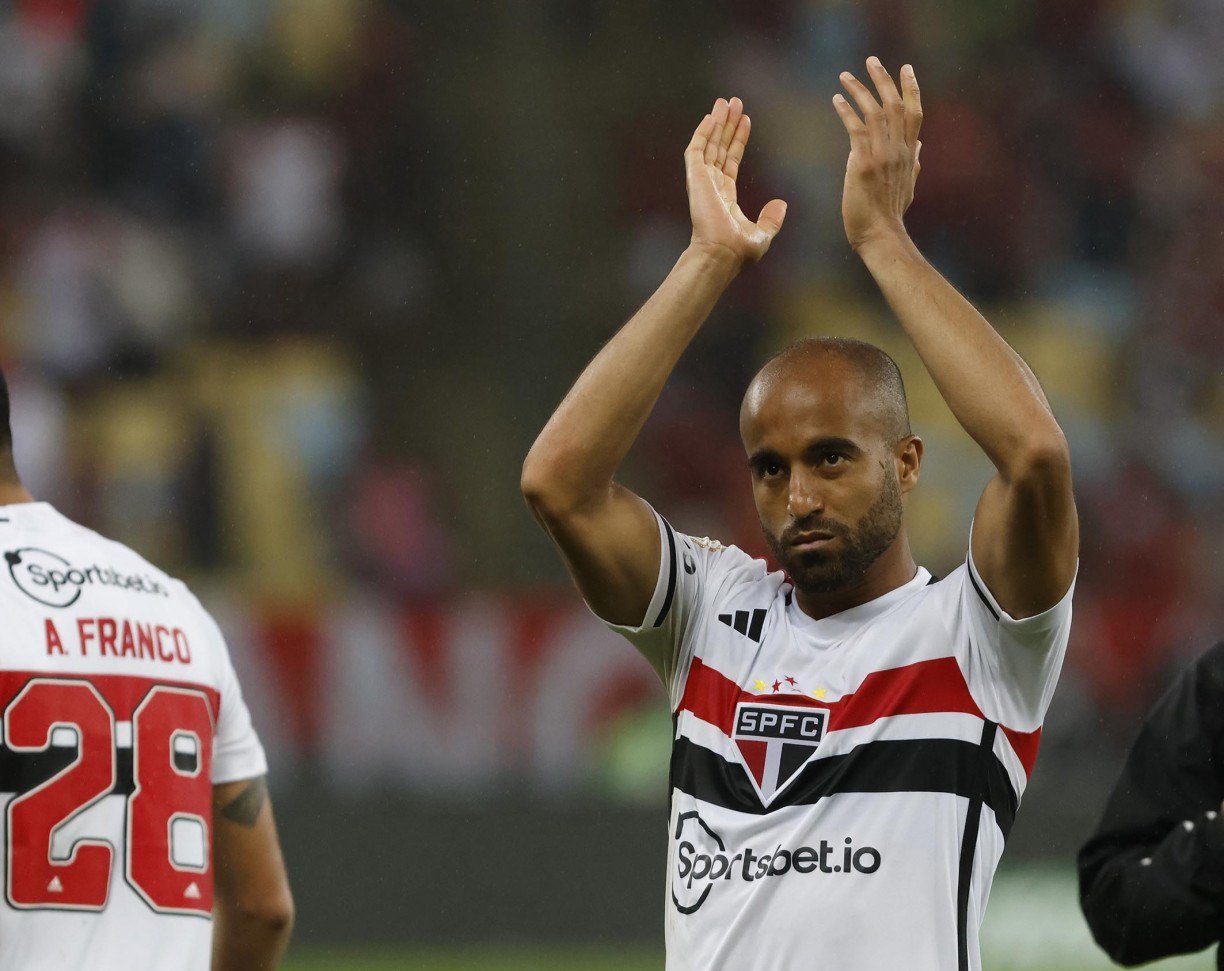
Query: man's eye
{"points": [[833, 458], [770, 469]]}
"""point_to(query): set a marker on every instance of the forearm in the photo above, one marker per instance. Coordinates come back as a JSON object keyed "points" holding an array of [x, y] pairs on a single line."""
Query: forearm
{"points": [[576, 455], [987, 385], [253, 905]]}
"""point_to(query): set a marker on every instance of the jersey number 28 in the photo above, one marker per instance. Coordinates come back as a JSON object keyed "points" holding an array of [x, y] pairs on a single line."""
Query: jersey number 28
{"points": [[171, 745]]}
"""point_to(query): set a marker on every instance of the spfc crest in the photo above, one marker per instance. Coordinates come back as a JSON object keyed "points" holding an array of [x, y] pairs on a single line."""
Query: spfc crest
{"points": [[776, 742]]}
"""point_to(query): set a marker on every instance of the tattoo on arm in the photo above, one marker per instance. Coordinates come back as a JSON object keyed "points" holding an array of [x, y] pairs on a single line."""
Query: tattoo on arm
{"points": [[244, 808]]}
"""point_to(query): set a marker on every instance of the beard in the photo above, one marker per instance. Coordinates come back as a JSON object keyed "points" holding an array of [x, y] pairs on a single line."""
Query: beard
{"points": [[826, 571]]}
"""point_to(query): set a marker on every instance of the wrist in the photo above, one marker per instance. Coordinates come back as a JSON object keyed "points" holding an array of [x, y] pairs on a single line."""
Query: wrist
{"points": [[714, 257], [885, 243]]}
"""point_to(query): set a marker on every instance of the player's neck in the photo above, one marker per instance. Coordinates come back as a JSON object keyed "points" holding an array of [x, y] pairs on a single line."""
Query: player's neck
{"points": [[13, 492], [894, 568]]}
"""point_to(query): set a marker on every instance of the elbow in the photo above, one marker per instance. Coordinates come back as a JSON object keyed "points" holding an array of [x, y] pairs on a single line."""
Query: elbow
{"points": [[549, 494], [539, 488], [1106, 931], [271, 917], [279, 919], [534, 480], [1117, 907], [1043, 460]]}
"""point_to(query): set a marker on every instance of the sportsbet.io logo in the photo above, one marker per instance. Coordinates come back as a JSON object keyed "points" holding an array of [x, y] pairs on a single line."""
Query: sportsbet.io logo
{"points": [[53, 581], [703, 862]]}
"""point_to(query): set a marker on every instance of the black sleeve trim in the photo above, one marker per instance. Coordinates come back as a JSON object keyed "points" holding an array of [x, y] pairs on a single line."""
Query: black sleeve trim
{"points": [[671, 573], [986, 600]]}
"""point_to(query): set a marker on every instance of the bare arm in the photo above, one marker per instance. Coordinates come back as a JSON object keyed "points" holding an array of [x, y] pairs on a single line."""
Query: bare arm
{"points": [[253, 908], [1026, 534], [605, 533]]}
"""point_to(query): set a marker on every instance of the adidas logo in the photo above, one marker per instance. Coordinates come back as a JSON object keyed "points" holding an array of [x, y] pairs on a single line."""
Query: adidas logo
{"points": [[747, 623]]}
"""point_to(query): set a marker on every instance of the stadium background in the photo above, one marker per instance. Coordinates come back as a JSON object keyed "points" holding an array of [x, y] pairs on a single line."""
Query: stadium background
{"points": [[288, 286]]}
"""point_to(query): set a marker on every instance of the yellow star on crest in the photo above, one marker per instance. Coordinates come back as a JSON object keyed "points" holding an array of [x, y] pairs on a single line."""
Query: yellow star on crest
{"points": [[759, 685], [819, 693]]}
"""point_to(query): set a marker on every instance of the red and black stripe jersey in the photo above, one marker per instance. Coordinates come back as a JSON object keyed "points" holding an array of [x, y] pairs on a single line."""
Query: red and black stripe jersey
{"points": [[841, 789]]}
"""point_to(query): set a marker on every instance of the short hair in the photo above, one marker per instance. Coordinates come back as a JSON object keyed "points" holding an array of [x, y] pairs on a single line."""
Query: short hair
{"points": [[880, 373]]}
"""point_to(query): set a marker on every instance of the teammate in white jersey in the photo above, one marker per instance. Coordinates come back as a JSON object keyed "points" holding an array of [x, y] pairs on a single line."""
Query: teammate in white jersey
{"points": [[135, 814], [852, 735]]}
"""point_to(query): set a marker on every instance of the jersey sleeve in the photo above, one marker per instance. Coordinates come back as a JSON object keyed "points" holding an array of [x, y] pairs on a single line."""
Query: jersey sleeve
{"points": [[237, 751], [690, 569], [1012, 666]]}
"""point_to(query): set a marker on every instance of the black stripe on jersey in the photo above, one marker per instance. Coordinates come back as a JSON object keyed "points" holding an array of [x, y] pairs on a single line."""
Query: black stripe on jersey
{"points": [[986, 600], [900, 765], [22, 771], [671, 573], [985, 756]]}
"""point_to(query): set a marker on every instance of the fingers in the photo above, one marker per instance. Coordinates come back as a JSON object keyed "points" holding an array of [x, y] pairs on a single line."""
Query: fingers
{"points": [[721, 110], [890, 97], [771, 218], [721, 137], [897, 110], [852, 122], [735, 111], [735, 152], [701, 136], [913, 104], [869, 108]]}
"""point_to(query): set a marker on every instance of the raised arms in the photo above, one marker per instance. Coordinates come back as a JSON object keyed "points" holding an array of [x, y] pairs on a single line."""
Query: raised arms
{"points": [[1025, 534], [253, 908], [605, 533]]}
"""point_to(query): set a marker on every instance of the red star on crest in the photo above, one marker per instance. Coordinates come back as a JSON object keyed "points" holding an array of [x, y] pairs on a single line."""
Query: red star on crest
{"points": [[777, 685], [791, 681]]}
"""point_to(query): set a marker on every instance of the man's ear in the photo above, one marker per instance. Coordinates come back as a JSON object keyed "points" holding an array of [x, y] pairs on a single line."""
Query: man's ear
{"points": [[908, 456]]}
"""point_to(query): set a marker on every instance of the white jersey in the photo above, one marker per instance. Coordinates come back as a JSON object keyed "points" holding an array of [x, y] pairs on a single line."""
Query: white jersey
{"points": [[841, 789], [120, 712]]}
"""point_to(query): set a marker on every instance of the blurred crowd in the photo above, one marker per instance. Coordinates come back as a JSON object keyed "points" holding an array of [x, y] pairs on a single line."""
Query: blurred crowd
{"points": [[288, 286]]}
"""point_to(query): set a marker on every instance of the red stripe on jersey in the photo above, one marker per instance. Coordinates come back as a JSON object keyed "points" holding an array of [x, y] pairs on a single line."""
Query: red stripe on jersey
{"points": [[921, 688], [1025, 745], [123, 692]]}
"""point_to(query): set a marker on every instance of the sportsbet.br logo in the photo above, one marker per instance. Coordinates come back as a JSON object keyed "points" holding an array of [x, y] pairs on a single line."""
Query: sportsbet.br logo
{"points": [[703, 862]]}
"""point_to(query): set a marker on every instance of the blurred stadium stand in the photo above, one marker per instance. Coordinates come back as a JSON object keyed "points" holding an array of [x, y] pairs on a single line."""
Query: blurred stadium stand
{"points": [[288, 286]]}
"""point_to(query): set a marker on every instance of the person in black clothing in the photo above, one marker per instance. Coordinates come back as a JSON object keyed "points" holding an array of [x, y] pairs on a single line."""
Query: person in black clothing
{"points": [[1152, 875]]}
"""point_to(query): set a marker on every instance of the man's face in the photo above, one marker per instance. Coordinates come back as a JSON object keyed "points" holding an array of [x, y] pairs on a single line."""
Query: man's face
{"points": [[824, 477]]}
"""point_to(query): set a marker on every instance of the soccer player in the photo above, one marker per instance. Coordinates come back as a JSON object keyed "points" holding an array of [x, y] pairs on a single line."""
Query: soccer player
{"points": [[135, 812], [1152, 875], [852, 735]]}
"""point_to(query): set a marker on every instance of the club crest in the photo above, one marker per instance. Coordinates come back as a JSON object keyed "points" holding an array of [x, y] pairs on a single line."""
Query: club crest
{"points": [[775, 742]]}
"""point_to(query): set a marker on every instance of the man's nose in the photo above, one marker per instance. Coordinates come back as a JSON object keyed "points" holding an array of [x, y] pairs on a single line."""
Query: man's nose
{"points": [[804, 498]]}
